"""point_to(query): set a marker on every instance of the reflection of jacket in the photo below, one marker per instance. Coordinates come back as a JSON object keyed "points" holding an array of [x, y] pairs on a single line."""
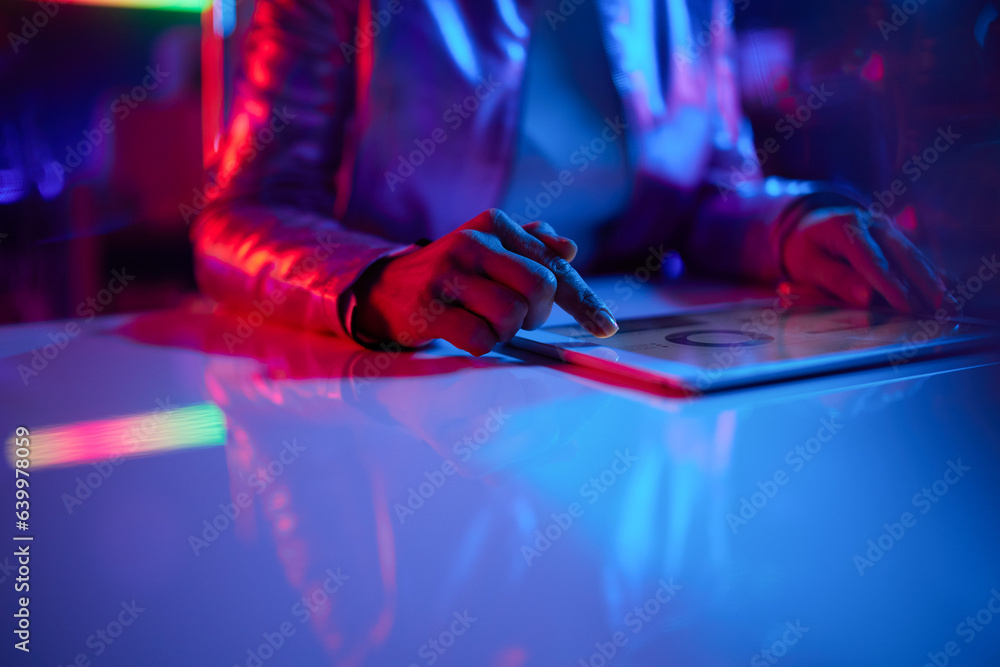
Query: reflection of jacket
{"points": [[345, 144]]}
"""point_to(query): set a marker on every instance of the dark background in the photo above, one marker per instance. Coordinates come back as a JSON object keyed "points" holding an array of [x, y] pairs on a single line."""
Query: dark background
{"points": [[59, 241]]}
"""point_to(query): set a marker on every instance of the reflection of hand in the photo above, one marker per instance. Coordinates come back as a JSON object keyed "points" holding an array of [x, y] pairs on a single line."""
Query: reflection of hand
{"points": [[477, 286], [852, 256], [480, 421]]}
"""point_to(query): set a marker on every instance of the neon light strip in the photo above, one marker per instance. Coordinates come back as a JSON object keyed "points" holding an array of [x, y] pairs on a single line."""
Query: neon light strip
{"points": [[201, 425], [173, 5]]}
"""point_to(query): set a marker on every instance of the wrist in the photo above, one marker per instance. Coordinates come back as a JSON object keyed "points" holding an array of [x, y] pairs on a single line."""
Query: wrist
{"points": [[367, 322], [800, 210]]}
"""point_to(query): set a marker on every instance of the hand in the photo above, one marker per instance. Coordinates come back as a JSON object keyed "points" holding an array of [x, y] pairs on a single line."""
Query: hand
{"points": [[853, 256], [477, 286]]}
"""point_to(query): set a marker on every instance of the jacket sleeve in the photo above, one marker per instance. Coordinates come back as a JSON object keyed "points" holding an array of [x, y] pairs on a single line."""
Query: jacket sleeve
{"points": [[266, 239], [739, 233]]}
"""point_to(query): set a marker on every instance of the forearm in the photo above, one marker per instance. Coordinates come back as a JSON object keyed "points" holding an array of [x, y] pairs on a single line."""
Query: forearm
{"points": [[292, 265], [741, 234], [738, 234]]}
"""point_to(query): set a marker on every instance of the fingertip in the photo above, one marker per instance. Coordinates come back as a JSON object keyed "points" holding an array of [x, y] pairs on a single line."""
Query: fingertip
{"points": [[568, 248], [562, 246], [605, 323], [482, 341], [478, 350]]}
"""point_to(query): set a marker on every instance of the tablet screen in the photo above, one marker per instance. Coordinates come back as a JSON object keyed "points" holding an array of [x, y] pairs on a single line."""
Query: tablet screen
{"points": [[744, 335]]}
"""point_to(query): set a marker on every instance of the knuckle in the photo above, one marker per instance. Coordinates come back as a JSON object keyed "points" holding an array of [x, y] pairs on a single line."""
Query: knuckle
{"points": [[557, 265], [465, 236], [545, 285], [592, 302], [466, 244], [483, 221], [545, 228], [496, 217]]}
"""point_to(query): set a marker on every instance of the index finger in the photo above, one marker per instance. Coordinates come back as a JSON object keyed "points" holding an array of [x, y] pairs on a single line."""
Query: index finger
{"points": [[573, 294], [914, 266], [867, 257]]}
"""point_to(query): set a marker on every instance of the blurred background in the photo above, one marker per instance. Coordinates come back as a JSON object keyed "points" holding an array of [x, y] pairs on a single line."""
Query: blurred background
{"points": [[111, 111]]}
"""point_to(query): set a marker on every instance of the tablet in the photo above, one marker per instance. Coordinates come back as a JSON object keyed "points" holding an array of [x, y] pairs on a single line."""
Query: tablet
{"points": [[753, 343]]}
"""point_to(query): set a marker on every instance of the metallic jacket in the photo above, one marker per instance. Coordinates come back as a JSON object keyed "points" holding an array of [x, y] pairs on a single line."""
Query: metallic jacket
{"points": [[352, 136]]}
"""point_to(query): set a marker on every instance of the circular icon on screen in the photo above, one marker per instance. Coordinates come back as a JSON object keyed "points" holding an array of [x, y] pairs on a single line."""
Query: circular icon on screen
{"points": [[719, 338]]}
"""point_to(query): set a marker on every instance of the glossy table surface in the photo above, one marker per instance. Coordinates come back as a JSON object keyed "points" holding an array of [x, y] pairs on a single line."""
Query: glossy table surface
{"points": [[209, 493]]}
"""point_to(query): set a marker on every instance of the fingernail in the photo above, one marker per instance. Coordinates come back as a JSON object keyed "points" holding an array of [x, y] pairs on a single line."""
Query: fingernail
{"points": [[606, 321]]}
